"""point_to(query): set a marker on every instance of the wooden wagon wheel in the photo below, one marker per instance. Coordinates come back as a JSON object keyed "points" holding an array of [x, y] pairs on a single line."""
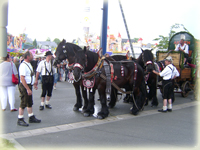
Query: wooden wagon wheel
{"points": [[185, 88]]}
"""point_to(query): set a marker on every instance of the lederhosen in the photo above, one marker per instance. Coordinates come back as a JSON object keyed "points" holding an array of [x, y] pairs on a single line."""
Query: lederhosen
{"points": [[47, 82], [26, 100], [167, 88]]}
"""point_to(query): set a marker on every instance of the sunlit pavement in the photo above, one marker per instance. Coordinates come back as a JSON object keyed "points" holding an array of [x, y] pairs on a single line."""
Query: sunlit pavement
{"points": [[61, 127]]}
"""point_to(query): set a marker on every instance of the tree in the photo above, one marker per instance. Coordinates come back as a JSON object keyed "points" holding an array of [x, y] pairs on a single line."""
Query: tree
{"points": [[164, 40], [35, 43], [136, 39], [48, 39], [57, 41]]}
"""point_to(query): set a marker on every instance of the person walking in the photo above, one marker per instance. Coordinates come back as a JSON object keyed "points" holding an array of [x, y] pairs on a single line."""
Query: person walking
{"points": [[25, 89], [169, 73], [45, 67], [7, 88]]}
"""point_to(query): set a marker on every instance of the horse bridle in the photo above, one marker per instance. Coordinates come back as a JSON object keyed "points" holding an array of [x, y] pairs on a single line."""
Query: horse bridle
{"points": [[146, 63], [77, 65]]}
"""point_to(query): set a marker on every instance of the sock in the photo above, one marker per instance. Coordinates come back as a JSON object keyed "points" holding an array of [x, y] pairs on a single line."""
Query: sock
{"points": [[29, 115], [169, 106], [20, 116], [42, 103], [164, 107], [47, 102]]}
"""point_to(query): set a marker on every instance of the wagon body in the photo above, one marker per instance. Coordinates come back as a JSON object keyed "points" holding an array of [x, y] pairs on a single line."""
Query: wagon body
{"points": [[185, 82]]}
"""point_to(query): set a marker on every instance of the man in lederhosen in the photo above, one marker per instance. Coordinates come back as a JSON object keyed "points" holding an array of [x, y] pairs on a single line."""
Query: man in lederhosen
{"points": [[169, 73], [45, 67], [25, 89]]}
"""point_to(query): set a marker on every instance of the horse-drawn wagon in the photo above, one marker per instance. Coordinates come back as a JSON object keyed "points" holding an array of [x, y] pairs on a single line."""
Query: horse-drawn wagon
{"points": [[185, 82]]}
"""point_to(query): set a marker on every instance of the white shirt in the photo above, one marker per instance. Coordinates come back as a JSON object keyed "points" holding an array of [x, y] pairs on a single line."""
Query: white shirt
{"points": [[174, 72], [26, 72], [168, 73], [41, 68], [185, 47], [6, 70]]}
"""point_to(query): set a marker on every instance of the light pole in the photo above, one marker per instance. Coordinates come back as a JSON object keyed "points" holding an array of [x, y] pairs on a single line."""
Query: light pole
{"points": [[3, 28], [104, 26]]}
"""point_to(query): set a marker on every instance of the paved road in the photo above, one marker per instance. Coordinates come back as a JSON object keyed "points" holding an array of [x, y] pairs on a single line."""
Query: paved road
{"points": [[62, 127]]}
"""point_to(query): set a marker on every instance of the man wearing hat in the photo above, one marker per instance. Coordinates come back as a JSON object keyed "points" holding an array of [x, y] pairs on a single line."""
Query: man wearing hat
{"points": [[183, 47], [45, 67], [169, 73]]}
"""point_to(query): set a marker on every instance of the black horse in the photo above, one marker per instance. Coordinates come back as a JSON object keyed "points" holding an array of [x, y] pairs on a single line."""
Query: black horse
{"points": [[146, 60], [126, 73], [67, 51]]}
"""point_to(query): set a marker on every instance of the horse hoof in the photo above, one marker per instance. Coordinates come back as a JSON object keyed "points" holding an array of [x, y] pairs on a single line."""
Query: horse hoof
{"points": [[86, 114], [75, 109], [100, 117], [135, 113]]}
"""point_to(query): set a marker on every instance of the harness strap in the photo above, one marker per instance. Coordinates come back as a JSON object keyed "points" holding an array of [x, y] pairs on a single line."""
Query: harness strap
{"points": [[108, 79], [115, 86], [71, 66], [111, 72], [46, 69], [32, 74]]}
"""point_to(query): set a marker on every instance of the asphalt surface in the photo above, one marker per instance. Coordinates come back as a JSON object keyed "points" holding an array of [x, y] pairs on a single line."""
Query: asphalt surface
{"points": [[63, 128]]}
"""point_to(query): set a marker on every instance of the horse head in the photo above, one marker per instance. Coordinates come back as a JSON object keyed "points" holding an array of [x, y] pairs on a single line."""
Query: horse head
{"points": [[146, 60], [65, 51], [80, 64]]}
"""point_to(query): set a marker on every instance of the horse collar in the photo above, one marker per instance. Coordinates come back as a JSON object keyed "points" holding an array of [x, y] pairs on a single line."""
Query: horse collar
{"points": [[78, 66]]}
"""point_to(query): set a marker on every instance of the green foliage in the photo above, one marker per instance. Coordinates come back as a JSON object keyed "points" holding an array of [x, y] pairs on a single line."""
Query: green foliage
{"points": [[136, 39], [57, 41], [163, 42], [6, 145], [35, 43]]}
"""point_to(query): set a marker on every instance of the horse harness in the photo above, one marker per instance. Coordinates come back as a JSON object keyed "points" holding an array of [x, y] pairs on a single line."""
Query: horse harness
{"points": [[109, 75]]}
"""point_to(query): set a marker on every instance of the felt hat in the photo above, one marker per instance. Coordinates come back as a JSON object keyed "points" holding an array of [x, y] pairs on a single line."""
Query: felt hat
{"points": [[48, 53]]}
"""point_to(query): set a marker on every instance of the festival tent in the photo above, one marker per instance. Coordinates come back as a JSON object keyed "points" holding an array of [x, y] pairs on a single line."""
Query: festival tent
{"points": [[38, 52]]}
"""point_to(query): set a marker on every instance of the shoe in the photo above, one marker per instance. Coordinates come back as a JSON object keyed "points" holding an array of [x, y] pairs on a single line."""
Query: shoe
{"points": [[169, 110], [48, 106], [21, 122], [32, 119], [14, 110], [3, 109], [161, 110], [54, 87], [41, 107]]}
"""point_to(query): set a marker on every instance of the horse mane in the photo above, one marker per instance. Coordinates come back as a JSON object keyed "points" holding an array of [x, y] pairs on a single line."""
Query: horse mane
{"points": [[92, 59], [72, 48]]}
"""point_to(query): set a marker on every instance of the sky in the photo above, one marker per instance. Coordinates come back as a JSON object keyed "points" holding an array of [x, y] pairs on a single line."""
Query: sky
{"points": [[147, 19]]}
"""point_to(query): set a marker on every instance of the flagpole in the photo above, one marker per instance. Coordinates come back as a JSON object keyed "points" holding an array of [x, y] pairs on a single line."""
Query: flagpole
{"points": [[103, 43]]}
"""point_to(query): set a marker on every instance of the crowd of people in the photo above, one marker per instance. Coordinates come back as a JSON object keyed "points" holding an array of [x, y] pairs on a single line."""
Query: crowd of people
{"points": [[29, 71]]}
